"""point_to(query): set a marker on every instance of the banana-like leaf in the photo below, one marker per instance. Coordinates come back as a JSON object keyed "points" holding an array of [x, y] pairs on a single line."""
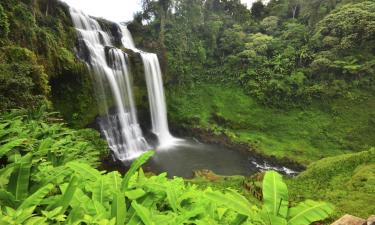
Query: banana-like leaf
{"points": [[76, 216], [134, 167], [115, 179], [275, 194], [308, 212], [84, 170], [143, 213], [99, 190], [147, 202], [172, 198], [118, 208], [4, 149], [7, 198], [230, 200], [186, 215], [240, 219], [5, 174], [20, 216], [135, 194], [271, 219], [81, 200], [68, 195], [19, 180], [36, 221], [35, 199]]}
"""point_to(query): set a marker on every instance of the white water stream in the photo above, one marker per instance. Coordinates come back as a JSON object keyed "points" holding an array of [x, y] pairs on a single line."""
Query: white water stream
{"points": [[156, 96], [112, 77]]}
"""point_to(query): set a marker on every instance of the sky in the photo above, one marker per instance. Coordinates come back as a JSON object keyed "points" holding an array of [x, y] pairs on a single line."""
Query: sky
{"points": [[115, 10]]}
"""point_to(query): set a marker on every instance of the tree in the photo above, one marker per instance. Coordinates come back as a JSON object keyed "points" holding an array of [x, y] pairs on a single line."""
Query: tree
{"points": [[348, 27], [270, 24], [257, 10]]}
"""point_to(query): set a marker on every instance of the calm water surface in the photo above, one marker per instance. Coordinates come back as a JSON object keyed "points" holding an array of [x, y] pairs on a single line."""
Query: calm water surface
{"points": [[189, 155]]}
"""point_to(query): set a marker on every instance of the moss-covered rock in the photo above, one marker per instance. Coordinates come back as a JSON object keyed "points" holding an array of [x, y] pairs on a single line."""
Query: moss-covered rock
{"points": [[23, 82]]}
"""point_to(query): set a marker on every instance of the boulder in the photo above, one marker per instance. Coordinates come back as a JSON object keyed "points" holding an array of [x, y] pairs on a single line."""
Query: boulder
{"points": [[371, 220], [349, 220]]}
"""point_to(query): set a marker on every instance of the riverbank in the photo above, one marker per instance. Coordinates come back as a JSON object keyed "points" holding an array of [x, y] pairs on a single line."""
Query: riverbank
{"points": [[301, 135]]}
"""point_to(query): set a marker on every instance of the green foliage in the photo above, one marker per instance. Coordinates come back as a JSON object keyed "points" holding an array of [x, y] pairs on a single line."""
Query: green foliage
{"points": [[73, 192], [4, 24], [275, 195], [326, 46], [347, 180], [38, 63], [351, 26], [50, 144], [276, 204], [301, 134], [23, 80]]}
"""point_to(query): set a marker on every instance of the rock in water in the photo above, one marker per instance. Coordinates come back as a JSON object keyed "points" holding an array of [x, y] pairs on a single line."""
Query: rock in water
{"points": [[350, 220]]}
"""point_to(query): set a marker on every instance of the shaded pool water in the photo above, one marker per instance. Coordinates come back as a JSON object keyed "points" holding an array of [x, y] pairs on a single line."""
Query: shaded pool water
{"points": [[190, 155]]}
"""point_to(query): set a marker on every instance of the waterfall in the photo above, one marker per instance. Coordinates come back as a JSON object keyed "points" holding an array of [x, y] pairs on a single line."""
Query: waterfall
{"points": [[111, 77], [156, 96]]}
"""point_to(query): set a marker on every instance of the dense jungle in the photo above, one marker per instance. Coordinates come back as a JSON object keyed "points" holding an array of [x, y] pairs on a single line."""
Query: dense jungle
{"points": [[194, 112]]}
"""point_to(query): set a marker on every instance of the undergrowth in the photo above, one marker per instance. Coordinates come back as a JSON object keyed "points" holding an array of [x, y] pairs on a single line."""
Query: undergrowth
{"points": [[48, 177], [348, 181]]}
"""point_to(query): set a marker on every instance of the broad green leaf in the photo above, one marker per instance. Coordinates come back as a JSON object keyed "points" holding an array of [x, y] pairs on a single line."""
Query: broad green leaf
{"points": [[54, 214], [4, 149], [240, 205], [240, 219], [36, 221], [172, 198], [308, 212], [184, 216], [271, 219], [68, 194], [35, 199], [147, 202], [115, 180], [118, 208], [76, 216], [101, 212], [134, 167], [143, 213], [5, 174], [99, 190], [85, 170], [20, 216], [19, 180], [7, 198], [135, 194], [80, 200], [275, 194]]}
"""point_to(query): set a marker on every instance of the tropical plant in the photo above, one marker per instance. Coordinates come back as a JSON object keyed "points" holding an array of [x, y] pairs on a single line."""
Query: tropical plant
{"points": [[48, 140], [276, 209], [44, 182]]}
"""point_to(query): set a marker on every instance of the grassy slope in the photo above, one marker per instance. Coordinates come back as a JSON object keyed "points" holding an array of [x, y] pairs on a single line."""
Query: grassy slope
{"points": [[348, 181], [304, 135]]}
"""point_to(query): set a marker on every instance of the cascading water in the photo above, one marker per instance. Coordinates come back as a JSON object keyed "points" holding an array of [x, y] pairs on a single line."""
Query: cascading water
{"points": [[109, 68], [155, 89], [120, 126], [156, 97]]}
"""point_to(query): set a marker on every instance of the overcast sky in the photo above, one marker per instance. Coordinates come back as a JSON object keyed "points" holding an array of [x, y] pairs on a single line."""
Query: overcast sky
{"points": [[115, 10]]}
